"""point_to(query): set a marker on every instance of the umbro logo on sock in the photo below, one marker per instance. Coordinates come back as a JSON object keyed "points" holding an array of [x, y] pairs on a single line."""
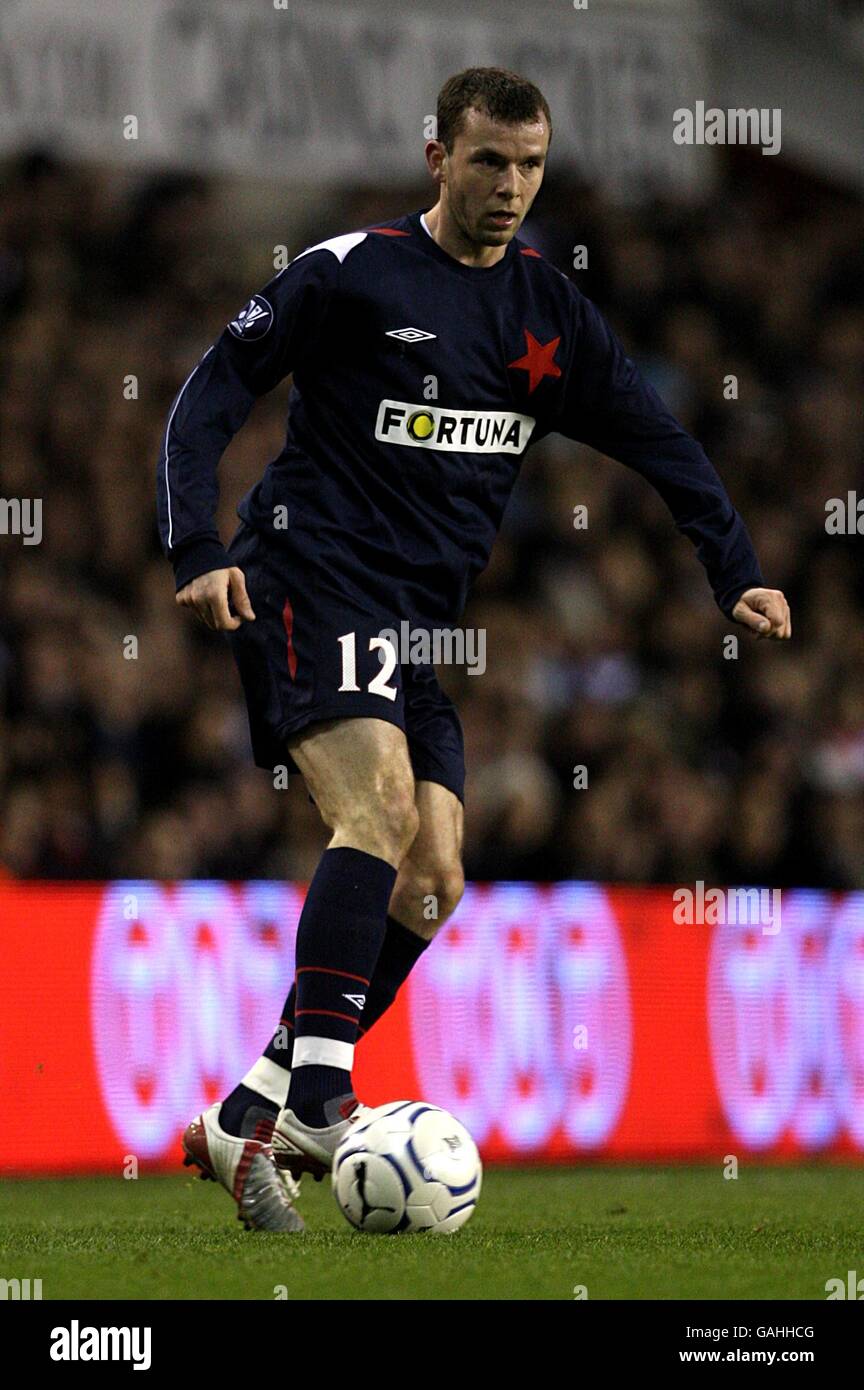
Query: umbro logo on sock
{"points": [[358, 1000]]}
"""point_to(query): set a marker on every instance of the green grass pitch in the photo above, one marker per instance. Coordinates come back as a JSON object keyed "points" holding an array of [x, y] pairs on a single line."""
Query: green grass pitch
{"points": [[622, 1232]]}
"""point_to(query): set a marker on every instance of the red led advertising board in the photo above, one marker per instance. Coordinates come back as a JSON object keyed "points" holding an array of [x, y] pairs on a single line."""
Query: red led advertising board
{"points": [[559, 1022]]}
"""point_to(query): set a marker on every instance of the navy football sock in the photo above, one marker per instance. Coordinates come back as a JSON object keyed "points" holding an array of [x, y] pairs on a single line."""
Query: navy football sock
{"points": [[277, 1053], [261, 1091], [281, 1045], [339, 939], [248, 1114], [265, 1086], [400, 953]]}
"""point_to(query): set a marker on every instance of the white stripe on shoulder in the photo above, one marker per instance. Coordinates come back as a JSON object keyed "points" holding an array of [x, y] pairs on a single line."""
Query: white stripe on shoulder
{"points": [[339, 245], [167, 439]]}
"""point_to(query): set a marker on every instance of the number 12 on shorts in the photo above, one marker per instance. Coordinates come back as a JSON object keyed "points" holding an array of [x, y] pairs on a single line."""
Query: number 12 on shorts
{"points": [[378, 684]]}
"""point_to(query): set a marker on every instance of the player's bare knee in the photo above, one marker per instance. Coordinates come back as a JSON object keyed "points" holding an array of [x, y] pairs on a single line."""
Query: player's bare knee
{"points": [[428, 895], [450, 885], [454, 887]]}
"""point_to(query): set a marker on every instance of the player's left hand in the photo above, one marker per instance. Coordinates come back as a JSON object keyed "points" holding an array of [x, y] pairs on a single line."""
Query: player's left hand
{"points": [[765, 612]]}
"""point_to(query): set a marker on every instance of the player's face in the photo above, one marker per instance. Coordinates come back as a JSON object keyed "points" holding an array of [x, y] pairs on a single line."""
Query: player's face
{"points": [[493, 176]]}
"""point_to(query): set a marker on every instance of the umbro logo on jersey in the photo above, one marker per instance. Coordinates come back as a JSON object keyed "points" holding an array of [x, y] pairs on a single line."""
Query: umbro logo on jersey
{"points": [[253, 320], [410, 335], [358, 1000], [455, 431]]}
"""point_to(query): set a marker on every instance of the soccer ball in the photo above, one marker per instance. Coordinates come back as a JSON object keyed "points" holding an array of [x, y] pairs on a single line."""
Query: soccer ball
{"points": [[407, 1166]]}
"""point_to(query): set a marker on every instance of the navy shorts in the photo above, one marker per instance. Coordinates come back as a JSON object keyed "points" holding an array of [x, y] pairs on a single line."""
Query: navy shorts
{"points": [[296, 671]]}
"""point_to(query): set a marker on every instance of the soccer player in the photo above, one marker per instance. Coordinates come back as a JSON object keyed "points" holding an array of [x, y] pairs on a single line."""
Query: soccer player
{"points": [[428, 353]]}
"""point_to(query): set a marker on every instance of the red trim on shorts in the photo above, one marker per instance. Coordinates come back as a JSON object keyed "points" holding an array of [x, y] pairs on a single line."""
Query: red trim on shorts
{"points": [[288, 620]]}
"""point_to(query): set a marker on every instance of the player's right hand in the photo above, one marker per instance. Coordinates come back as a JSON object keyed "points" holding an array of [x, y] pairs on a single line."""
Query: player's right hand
{"points": [[208, 597], [765, 612]]}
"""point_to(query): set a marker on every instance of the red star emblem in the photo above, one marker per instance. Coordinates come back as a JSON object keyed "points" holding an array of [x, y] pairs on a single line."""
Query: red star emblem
{"points": [[538, 360]]}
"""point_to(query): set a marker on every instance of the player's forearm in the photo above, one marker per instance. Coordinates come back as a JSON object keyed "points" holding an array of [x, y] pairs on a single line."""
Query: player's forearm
{"points": [[610, 406], [210, 408], [187, 500], [199, 555], [702, 510], [727, 553]]}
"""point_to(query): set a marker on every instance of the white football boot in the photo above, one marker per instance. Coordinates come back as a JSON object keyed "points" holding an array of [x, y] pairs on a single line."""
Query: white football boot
{"points": [[246, 1169], [298, 1148]]}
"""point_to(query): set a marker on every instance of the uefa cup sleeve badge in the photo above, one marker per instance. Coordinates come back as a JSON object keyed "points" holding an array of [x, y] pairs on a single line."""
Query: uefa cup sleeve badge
{"points": [[254, 319]]}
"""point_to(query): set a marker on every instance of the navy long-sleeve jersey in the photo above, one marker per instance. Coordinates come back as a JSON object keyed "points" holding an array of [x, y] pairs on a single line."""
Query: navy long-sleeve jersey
{"points": [[419, 383]]}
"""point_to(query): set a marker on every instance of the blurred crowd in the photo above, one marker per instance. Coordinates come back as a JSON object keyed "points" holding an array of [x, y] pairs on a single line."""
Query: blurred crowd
{"points": [[123, 739]]}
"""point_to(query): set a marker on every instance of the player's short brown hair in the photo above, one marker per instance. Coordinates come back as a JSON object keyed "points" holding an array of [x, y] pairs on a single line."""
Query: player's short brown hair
{"points": [[501, 95]]}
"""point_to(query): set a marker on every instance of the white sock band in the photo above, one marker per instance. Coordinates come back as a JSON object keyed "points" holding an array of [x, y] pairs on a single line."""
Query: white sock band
{"points": [[269, 1079], [323, 1052]]}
